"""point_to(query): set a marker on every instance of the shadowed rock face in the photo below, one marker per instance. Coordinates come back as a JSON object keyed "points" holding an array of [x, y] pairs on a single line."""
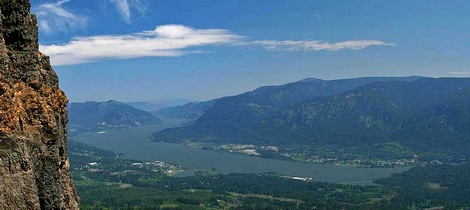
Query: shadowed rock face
{"points": [[34, 166]]}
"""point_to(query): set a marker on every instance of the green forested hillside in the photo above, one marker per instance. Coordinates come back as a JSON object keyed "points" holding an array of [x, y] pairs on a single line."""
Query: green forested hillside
{"points": [[425, 115], [241, 112], [97, 116], [188, 112], [431, 185]]}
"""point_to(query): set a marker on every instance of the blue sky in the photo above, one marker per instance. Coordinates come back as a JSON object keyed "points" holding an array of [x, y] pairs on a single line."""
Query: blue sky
{"points": [[148, 50]]}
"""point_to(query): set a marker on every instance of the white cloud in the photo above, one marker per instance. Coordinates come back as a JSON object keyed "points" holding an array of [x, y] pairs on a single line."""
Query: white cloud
{"points": [[165, 40], [176, 40], [460, 73], [124, 7], [52, 17], [290, 45]]}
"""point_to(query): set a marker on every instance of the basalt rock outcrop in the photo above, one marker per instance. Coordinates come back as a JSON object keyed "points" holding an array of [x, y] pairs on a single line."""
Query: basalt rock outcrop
{"points": [[34, 166]]}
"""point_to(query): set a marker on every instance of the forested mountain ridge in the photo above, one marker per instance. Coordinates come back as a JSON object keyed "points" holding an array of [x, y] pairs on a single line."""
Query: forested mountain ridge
{"points": [[189, 112], [425, 114], [251, 107], [274, 97], [95, 116]]}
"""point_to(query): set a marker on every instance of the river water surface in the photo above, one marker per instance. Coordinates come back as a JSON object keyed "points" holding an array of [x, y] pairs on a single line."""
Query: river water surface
{"points": [[134, 144]]}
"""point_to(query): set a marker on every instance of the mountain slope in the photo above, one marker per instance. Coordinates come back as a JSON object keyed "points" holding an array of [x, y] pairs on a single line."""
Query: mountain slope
{"points": [[235, 117], [189, 112], [246, 110], [414, 113], [96, 116], [425, 114], [146, 106]]}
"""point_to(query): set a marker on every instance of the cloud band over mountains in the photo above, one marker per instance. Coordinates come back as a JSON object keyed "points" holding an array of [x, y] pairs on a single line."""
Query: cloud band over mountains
{"points": [[177, 40]]}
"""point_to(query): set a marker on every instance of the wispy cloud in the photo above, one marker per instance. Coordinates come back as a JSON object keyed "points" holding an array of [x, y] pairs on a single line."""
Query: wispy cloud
{"points": [[177, 40], [460, 73], [290, 45], [125, 7], [52, 17], [165, 40]]}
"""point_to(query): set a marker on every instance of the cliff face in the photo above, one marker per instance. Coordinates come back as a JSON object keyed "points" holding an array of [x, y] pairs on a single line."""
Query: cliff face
{"points": [[34, 167]]}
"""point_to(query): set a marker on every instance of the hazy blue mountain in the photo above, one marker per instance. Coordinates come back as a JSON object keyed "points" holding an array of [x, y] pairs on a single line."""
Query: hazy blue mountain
{"points": [[96, 116], [424, 114], [159, 104], [146, 106], [243, 112], [189, 112], [251, 108]]}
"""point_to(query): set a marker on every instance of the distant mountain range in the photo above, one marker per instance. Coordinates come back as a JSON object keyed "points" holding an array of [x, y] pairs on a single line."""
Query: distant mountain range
{"points": [[189, 112], [424, 114], [157, 105], [97, 116], [278, 95], [146, 106]]}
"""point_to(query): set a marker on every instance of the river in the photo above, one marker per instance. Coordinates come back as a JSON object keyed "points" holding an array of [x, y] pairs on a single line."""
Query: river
{"points": [[134, 144]]}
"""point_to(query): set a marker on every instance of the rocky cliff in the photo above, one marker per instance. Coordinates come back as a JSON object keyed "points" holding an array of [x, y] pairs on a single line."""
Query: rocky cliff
{"points": [[34, 167]]}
